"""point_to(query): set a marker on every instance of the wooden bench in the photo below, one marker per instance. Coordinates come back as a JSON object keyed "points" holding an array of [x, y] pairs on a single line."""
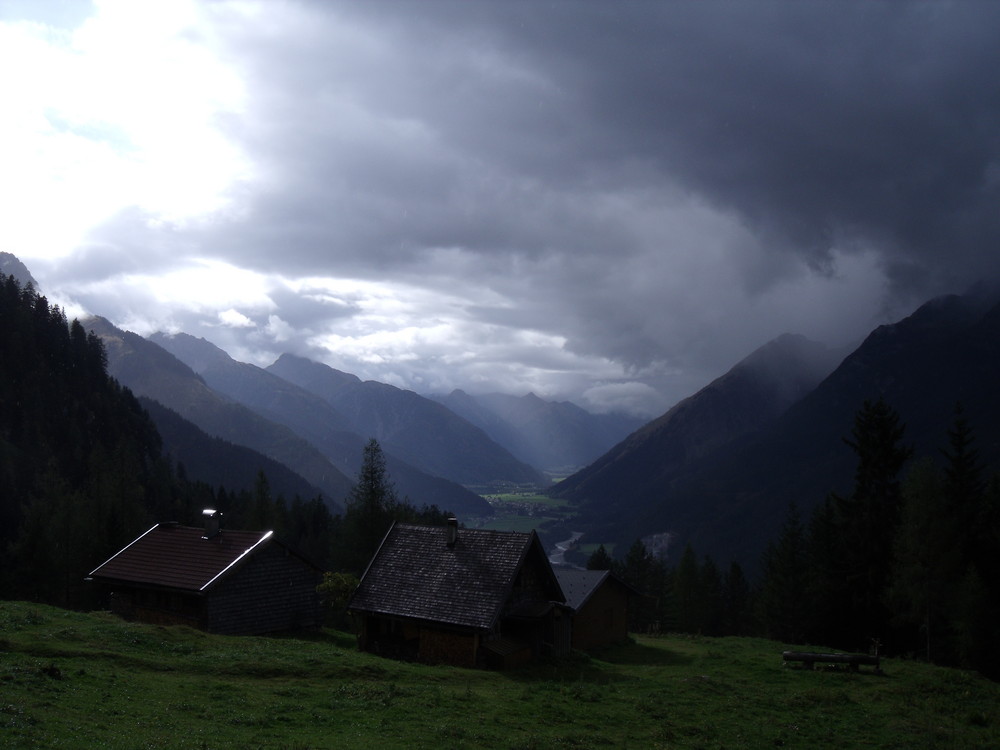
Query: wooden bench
{"points": [[853, 661]]}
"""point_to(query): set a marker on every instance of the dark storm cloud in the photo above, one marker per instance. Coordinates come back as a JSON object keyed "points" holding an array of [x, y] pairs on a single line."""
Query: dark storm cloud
{"points": [[820, 124], [659, 187]]}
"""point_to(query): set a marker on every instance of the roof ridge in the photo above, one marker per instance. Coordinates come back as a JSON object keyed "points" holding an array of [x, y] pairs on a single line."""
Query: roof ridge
{"points": [[154, 526], [268, 535]]}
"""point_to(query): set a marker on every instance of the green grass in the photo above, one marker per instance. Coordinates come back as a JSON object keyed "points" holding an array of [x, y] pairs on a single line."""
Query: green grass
{"points": [[523, 511], [72, 680]]}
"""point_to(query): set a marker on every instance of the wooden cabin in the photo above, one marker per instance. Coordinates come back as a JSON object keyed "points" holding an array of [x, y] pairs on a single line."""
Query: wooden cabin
{"points": [[219, 580], [600, 603], [468, 597]]}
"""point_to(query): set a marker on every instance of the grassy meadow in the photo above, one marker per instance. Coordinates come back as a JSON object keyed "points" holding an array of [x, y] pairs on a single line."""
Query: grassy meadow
{"points": [[523, 511], [73, 680]]}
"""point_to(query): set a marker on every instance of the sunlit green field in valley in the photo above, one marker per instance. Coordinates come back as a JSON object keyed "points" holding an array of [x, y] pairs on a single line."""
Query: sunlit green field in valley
{"points": [[523, 511], [72, 680]]}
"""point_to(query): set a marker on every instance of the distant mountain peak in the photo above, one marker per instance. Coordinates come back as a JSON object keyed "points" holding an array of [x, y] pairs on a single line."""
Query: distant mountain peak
{"points": [[10, 265], [200, 354], [309, 369]]}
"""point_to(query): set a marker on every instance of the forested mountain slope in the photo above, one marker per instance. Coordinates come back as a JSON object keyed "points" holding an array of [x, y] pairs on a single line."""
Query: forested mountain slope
{"points": [[753, 393], [220, 463], [151, 371], [730, 500], [80, 466]]}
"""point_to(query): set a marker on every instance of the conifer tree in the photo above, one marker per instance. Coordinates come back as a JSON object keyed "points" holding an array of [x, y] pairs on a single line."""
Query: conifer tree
{"points": [[826, 589], [927, 565], [371, 508], [784, 586], [600, 560], [642, 570], [736, 602], [867, 520], [971, 524], [687, 591], [710, 609]]}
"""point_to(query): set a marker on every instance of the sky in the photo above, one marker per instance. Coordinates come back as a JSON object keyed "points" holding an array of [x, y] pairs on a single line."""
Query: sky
{"points": [[606, 202]]}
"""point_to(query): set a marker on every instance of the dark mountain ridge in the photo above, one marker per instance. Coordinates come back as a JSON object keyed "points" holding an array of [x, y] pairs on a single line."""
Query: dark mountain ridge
{"points": [[754, 392], [11, 265], [151, 371], [314, 420], [220, 463], [730, 500]]}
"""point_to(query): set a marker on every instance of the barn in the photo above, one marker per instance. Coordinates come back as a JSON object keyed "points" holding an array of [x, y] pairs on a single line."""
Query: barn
{"points": [[468, 597], [215, 579], [600, 602]]}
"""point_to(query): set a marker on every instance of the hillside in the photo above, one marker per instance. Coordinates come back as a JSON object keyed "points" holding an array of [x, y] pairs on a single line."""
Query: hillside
{"points": [[91, 680], [11, 265], [312, 419], [218, 462], [153, 372], [80, 462], [754, 392], [730, 500]]}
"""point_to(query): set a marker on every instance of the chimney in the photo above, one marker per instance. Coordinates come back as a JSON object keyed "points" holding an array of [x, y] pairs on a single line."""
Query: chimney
{"points": [[213, 522], [452, 532]]}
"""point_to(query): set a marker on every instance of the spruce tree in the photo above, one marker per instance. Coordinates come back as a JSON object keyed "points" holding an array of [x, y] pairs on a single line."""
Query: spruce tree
{"points": [[927, 566], [867, 521], [643, 571], [600, 560], [687, 592], [782, 600], [371, 509], [736, 602]]}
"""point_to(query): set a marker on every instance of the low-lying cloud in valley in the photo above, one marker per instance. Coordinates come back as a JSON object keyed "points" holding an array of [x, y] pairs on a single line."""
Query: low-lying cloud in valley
{"points": [[606, 202]]}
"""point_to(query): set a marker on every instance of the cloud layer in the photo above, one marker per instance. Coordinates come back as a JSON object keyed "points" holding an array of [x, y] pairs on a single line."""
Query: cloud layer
{"points": [[609, 202]]}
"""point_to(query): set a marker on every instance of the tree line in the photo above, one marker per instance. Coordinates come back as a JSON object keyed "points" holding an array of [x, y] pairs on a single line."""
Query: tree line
{"points": [[908, 562]]}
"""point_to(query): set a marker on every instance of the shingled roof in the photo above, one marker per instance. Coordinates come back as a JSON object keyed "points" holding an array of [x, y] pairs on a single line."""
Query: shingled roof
{"points": [[179, 557], [579, 585], [416, 574]]}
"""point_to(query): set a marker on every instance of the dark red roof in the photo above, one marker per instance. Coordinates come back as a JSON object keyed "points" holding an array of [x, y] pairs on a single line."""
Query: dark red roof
{"points": [[178, 557], [415, 574]]}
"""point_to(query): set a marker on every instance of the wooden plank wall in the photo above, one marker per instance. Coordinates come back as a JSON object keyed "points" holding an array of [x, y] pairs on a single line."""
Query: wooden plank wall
{"points": [[272, 591], [603, 619]]}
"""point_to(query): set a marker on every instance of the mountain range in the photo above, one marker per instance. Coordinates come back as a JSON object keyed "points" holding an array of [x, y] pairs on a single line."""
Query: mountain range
{"points": [[721, 468], [315, 420], [152, 372]]}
